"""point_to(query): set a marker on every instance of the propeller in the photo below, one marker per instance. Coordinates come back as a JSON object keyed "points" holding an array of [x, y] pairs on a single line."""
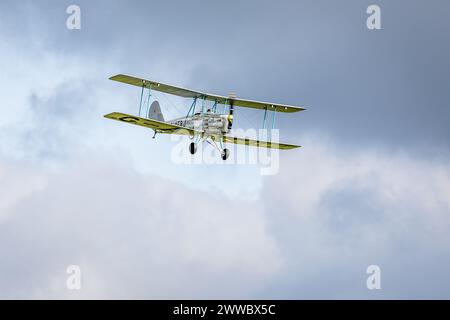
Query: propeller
{"points": [[230, 115]]}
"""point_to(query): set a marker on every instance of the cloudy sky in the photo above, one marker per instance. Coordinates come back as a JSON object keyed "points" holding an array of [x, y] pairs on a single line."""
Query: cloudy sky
{"points": [[371, 185]]}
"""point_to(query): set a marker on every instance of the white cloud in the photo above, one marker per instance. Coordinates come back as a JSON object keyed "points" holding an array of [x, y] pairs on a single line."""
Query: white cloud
{"points": [[335, 212], [312, 232], [79, 189], [133, 235]]}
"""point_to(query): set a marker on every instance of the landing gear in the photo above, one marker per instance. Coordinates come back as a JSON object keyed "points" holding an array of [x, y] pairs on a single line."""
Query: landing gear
{"points": [[193, 148], [225, 154]]}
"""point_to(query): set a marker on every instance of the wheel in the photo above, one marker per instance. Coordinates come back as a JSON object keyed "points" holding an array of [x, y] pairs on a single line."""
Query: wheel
{"points": [[225, 154], [192, 148]]}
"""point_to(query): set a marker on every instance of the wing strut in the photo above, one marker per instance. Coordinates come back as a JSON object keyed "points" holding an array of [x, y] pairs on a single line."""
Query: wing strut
{"points": [[142, 94], [147, 112], [192, 108], [273, 117], [264, 120], [147, 104], [214, 107]]}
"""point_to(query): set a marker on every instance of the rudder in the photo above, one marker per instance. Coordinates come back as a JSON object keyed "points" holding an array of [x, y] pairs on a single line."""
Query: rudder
{"points": [[155, 112]]}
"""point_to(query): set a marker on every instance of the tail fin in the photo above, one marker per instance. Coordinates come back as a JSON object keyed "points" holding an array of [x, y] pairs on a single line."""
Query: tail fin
{"points": [[155, 112]]}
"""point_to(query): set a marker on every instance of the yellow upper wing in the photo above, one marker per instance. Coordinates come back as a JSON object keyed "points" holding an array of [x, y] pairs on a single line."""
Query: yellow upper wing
{"points": [[159, 126], [189, 93]]}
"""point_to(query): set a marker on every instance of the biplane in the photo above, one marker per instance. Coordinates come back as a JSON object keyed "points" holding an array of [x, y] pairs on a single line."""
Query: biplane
{"points": [[205, 125]]}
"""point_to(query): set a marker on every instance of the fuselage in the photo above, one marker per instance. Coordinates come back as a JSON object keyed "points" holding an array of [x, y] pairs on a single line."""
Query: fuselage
{"points": [[211, 124]]}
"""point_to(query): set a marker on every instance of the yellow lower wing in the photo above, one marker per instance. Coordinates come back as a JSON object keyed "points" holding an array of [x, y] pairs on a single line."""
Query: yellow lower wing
{"points": [[260, 144], [165, 127], [159, 126]]}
